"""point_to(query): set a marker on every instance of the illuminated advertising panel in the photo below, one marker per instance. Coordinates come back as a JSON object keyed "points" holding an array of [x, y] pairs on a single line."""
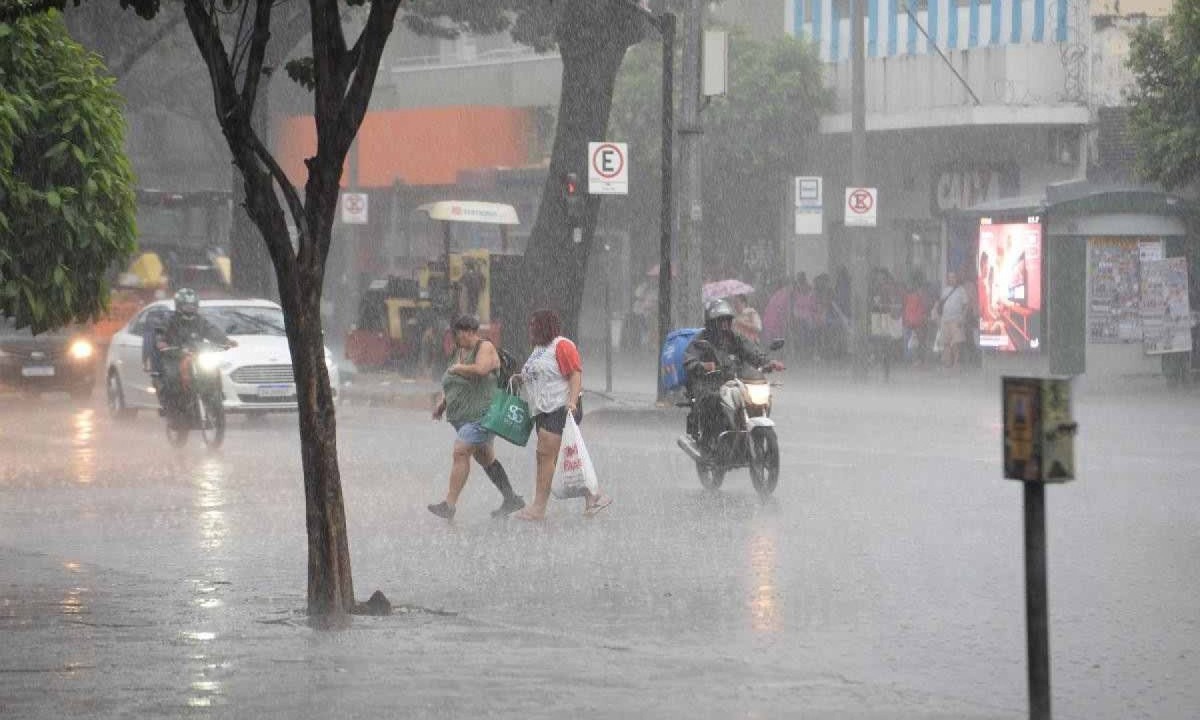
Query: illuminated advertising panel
{"points": [[1009, 285]]}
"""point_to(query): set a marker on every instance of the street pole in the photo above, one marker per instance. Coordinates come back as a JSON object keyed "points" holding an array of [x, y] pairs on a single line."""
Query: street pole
{"points": [[860, 319], [666, 27], [689, 311], [608, 319], [1037, 621]]}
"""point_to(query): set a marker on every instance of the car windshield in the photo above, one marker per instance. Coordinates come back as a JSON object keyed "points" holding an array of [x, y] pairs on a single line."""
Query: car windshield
{"points": [[9, 329], [246, 320]]}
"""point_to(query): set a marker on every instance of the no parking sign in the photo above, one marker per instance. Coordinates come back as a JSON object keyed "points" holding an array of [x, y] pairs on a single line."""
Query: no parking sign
{"points": [[608, 168]]}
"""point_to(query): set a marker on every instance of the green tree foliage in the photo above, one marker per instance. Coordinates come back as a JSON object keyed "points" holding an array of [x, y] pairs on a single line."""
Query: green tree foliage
{"points": [[754, 137], [1165, 100], [66, 188]]}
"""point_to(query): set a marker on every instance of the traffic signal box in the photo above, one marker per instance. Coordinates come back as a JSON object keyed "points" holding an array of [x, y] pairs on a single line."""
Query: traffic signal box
{"points": [[574, 199], [1039, 432]]}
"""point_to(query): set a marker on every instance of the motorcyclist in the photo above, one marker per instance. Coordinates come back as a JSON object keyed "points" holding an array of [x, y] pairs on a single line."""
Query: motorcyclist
{"points": [[185, 328], [711, 359]]}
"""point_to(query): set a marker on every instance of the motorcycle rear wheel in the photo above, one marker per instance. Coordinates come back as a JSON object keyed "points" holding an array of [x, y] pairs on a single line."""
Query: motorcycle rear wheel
{"points": [[764, 461]]}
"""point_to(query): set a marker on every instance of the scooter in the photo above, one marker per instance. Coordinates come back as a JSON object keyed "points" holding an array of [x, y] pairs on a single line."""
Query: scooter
{"points": [[200, 404], [747, 438]]}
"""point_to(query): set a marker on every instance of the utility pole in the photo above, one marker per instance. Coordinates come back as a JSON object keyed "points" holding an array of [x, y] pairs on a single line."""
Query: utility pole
{"points": [[860, 318], [666, 27], [689, 312]]}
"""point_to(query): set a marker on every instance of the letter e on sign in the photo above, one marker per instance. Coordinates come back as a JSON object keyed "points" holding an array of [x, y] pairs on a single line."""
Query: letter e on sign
{"points": [[608, 168]]}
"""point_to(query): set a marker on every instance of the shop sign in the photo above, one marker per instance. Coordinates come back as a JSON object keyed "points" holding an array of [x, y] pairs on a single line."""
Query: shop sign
{"points": [[955, 189]]}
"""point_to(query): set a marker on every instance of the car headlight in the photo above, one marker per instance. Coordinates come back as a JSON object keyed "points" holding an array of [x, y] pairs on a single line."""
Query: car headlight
{"points": [[208, 361], [81, 350], [758, 393]]}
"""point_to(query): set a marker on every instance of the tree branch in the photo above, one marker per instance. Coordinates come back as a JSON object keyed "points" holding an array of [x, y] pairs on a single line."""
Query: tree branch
{"points": [[369, 48], [235, 123], [260, 36]]}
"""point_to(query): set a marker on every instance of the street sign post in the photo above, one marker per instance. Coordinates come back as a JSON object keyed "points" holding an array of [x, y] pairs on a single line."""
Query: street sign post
{"points": [[608, 168], [1039, 447], [354, 208], [809, 205], [861, 208]]}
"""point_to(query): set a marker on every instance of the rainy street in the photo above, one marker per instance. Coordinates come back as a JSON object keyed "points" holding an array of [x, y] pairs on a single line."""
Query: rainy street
{"points": [[884, 580]]}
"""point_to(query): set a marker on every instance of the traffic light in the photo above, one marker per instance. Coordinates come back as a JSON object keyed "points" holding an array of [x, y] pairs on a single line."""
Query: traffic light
{"points": [[575, 200]]}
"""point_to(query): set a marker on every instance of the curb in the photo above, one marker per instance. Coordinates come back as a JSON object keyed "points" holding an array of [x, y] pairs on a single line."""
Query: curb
{"points": [[411, 400]]}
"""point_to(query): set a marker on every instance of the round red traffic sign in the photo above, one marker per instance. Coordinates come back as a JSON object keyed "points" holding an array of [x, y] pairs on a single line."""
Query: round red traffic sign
{"points": [[608, 161], [860, 201], [354, 204]]}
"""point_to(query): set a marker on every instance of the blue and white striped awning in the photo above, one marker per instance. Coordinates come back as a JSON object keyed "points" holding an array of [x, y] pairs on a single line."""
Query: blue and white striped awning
{"points": [[953, 24]]}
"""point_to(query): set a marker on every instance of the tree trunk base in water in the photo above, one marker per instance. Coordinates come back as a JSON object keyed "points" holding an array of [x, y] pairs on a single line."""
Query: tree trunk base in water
{"points": [[377, 605]]}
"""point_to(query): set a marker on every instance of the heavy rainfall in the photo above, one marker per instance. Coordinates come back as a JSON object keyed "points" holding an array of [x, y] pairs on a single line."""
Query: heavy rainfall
{"points": [[641, 358]]}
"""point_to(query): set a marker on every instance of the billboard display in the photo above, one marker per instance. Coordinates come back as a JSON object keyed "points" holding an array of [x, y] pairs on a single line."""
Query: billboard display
{"points": [[1009, 285]]}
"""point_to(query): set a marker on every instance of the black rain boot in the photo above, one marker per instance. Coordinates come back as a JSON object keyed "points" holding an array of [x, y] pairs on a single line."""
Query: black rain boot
{"points": [[512, 501]]}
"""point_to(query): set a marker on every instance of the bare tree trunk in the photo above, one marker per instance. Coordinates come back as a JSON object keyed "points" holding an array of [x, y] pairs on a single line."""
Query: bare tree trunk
{"points": [[345, 75], [592, 39]]}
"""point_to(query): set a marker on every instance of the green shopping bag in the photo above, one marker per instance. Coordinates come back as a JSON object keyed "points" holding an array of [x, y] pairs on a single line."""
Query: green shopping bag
{"points": [[508, 416]]}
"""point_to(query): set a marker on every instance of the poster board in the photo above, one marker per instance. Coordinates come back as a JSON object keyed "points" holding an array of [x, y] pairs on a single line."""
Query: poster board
{"points": [[1166, 311], [1114, 292]]}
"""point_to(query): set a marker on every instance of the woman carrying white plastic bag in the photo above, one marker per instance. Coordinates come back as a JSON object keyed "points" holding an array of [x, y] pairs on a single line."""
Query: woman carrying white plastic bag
{"points": [[552, 383]]}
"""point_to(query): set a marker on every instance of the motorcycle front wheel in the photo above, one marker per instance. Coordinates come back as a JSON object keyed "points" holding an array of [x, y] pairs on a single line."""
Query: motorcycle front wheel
{"points": [[710, 477], [177, 431], [211, 414], [764, 461]]}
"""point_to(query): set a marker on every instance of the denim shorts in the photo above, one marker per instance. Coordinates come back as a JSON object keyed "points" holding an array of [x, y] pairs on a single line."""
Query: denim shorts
{"points": [[472, 433]]}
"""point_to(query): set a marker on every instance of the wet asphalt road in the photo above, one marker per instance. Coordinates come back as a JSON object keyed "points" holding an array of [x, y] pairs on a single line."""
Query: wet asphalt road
{"points": [[884, 580]]}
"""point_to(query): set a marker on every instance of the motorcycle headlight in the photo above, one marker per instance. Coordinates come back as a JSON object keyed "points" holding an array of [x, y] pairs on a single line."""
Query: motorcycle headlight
{"points": [[81, 350], [208, 361], [758, 394]]}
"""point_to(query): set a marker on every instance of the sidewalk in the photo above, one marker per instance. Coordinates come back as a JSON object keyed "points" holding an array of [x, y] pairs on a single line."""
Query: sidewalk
{"points": [[634, 388]]}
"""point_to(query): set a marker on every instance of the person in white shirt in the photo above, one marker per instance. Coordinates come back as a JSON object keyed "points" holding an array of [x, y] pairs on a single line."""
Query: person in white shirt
{"points": [[952, 308]]}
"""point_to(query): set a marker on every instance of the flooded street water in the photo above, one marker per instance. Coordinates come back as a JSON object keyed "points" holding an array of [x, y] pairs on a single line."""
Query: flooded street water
{"points": [[885, 579]]}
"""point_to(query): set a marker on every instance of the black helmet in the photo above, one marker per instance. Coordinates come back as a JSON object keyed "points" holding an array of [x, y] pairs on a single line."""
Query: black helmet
{"points": [[186, 301], [716, 310]]}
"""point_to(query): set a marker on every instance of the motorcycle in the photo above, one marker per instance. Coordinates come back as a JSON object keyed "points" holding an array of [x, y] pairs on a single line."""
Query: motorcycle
{"points": [[199, 403], [747, 438]]}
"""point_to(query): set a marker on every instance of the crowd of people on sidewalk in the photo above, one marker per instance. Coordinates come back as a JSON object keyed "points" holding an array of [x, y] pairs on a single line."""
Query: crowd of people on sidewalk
{"points": [[916, 322]]}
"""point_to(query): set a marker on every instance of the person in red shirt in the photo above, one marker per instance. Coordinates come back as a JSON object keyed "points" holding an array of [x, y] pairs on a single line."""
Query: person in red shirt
{"points": [[553, 382], [916, 313]]}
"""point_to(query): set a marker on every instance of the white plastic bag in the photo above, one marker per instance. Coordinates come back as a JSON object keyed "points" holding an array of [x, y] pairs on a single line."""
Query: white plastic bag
{"points": [[574, 474]]}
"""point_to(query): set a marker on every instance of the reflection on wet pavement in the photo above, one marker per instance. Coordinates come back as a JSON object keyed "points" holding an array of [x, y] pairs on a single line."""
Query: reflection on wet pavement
{"points": [[765, 613], [83, 449]]}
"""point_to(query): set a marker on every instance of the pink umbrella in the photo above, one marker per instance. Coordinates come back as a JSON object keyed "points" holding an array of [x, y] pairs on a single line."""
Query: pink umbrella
{"points": [[726, 288]]}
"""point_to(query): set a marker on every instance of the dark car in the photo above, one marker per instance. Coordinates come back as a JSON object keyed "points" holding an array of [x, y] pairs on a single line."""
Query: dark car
{"points": [[61, 360]]}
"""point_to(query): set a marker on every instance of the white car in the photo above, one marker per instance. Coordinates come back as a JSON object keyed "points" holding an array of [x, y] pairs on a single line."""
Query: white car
{"points": [[256, 376]]}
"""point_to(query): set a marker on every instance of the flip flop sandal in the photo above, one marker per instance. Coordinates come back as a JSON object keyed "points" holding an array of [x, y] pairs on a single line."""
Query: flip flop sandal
{"points": [[599, 505]]}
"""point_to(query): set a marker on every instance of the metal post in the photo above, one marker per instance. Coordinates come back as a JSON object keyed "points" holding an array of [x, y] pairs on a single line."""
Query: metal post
{"points": [[608, 334], [860, 319], [691, 235], [666, 26], [1037, 623]]}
